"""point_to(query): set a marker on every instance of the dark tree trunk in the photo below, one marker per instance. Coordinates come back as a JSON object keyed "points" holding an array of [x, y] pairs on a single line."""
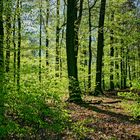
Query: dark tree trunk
{"points": [[40, 41], [71, 51], [134, 67], [100, 46], [122, 66], [47, 37], [57, 67], [19, 45], [8, 34], [111, 56], [139, 59], [14, 44], [1, 65], [117, 68], [90, 50]]}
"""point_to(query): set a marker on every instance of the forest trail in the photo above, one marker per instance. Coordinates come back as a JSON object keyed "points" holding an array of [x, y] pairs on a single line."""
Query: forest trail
{"points": [[102, 118]]}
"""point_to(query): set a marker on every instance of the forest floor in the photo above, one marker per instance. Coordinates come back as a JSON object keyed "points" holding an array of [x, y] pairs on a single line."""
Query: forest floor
{"points": [[102, 118]]}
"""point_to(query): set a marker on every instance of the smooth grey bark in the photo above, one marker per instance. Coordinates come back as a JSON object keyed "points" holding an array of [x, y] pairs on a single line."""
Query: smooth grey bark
{"points": [[40, 40], [90, 42]]}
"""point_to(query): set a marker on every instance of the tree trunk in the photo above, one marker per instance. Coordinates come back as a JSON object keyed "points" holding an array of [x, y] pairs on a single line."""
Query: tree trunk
{"points": [[57, 65], [40, 40], [71, 51], [14, 44], [100, 46], [122, 66], [90, 51], [129, 69], [111, 55], [19, 45], [8, 34], [117, 76], [47, 37], [1, 65]]}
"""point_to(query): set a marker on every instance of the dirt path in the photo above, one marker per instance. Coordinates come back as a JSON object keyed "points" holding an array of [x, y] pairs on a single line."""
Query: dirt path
{"points": [[102, 119]]}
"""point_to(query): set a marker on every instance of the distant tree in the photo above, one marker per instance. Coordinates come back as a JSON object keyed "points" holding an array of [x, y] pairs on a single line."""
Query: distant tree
{"points": [[14, 41], [40, 39], [8, 33], [57, 59], [47, 37], [112, 55], [19, 43], [100, 46]]}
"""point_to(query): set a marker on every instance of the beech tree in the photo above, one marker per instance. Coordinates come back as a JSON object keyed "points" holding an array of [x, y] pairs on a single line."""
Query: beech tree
{"points": [[8, 34], [100, 46], [19, 44], [71, 51], [1, 64]]}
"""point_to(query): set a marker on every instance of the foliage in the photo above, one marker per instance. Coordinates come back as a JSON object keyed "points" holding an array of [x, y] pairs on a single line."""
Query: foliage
{"points": [[131, 104], [34, 109]]}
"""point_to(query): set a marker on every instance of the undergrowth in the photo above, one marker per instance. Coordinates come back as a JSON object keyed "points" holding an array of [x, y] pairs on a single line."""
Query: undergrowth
{"points": [[131, 103]]}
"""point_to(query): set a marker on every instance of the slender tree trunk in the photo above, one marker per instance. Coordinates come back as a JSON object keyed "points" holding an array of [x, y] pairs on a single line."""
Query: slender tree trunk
{"points": [[111, 55], [14, 44], [139, 59], [125, 71], [40, 41], [74, 89], [19, 45], [134, 68], [121, 66], [90, 50], [129, 69], [1, 65], [117, 68], [100, 46], [8, 34], [57, 67], [47, 37], [77, 26], [61, 44]]}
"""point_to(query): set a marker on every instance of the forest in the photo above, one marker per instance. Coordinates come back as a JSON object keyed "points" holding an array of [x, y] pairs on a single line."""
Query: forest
{"points": [[69, 69]]}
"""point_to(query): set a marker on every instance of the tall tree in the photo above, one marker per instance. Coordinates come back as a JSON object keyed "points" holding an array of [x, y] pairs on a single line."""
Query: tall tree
{"points": [[57, 67], [14, 41], [19, 43], [100, 46], [8, 34], [90, 42], [1, 64], [71, 51], [47, 37], [111, 54], [40, 40]]}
